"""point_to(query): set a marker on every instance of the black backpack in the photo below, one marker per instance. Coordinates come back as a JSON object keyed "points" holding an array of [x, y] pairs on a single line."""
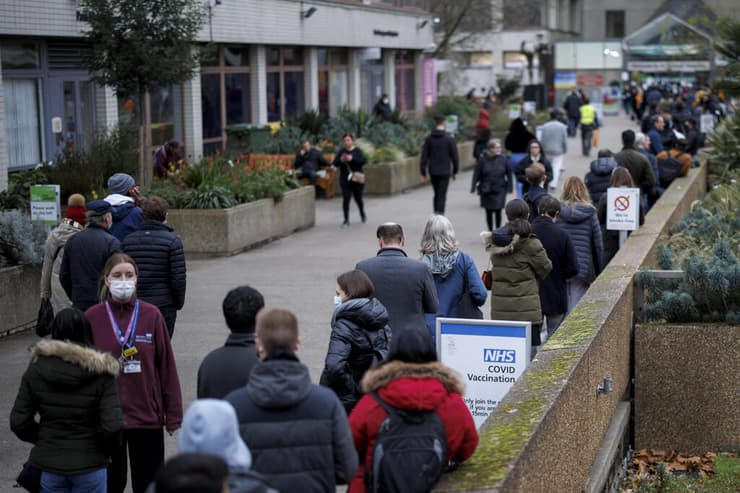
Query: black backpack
{"points": [[410, 452], [668, 169]]}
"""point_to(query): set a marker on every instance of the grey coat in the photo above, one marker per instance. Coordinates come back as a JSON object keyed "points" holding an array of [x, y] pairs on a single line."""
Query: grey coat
{"points": [[554, 138], [51, 288], [404, 286]]}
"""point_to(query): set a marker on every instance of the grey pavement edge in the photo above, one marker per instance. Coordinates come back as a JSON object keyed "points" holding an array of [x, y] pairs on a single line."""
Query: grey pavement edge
{"points": [[297, 273]]}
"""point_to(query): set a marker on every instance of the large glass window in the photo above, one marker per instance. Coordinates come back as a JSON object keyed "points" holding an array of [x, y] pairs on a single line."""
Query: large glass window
{"points": [[20, 55], [166, 111], [333, 80], [405, 82], [22, 121], [225, 94], [285, 96], [210, 90], [615, 23]]}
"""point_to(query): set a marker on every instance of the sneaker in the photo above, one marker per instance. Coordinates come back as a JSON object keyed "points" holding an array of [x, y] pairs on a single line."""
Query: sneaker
{"points": [[364, 219], [344, 225]]}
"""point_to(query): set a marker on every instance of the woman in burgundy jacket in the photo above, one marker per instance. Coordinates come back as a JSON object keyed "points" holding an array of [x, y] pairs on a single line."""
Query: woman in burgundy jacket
{"points": [[135, 333], [412, 378]]}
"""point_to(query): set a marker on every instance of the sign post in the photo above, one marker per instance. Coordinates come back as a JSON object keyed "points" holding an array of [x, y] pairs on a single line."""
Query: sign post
{"points": [[45, 208], [622, 210], [489, 354]]}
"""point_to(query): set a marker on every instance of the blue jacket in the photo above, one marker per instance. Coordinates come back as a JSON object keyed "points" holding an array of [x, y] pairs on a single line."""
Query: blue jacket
{"points": [[656, 141], [582, 224], [127, 216], [451, 284]]}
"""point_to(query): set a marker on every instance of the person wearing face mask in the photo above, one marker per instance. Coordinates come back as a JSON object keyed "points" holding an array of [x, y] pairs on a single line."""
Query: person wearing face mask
{"points": [[135, 333], [360, 337], [535, 154], [493, 180], [85, 254], [383, 107]]}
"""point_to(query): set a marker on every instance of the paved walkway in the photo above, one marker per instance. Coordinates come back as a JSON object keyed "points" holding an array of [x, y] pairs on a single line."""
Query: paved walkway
{"points": [[297, 273]]}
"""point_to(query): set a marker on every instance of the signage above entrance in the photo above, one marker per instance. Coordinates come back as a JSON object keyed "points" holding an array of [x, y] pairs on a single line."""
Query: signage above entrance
{"points": [[669, 66]]}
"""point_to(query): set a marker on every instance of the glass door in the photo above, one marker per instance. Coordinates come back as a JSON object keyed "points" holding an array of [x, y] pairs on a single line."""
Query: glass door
{"points": [[71, 100]]}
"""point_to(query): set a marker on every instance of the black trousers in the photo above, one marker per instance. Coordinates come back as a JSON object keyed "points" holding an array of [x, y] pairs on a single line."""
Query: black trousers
{"points": [[170, 315], [489, 218], [350, 189], [440, 184], [146, 455]]}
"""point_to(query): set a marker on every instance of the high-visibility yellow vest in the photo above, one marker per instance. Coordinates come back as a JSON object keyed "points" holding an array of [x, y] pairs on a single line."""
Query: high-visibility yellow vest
{"points": [[588, 114]]}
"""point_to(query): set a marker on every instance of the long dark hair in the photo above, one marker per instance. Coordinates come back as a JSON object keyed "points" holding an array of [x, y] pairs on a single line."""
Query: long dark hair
{"points": [[517, 213], [71, 325]]}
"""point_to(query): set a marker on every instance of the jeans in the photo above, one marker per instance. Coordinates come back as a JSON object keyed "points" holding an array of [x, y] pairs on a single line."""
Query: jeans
{"points": [[576, 289], [440, 184], [513, 161], [572, 125], [553, 321], [587, 139], [87, 482]]}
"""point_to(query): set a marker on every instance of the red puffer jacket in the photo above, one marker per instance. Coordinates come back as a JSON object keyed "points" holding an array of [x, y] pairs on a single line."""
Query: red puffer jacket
{"points": [[412, 386]]}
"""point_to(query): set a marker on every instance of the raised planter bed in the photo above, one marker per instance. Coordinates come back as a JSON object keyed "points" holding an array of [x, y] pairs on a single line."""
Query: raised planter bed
{"points": [[395, 177], [19, 297], [214, 232]]}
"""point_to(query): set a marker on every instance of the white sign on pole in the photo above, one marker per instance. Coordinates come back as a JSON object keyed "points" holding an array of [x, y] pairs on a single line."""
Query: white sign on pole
{"points": [[45, 207], [530, 106], [706, 123], [451, 124], [489, 354], [622, 208]]}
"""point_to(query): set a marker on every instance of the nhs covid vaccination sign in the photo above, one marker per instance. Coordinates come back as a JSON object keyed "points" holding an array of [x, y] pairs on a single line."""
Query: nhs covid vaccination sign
{"points": [[489, 354]]}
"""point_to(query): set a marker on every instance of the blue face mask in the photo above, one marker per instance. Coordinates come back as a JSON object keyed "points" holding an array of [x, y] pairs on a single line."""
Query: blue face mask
{"points": [[337, 300]]}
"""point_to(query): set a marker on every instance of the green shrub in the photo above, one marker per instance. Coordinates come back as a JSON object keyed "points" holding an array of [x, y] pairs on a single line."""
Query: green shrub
{"points": [[21, 242], [87, 171], [210, 197], [507, 88], [18, 195], [310, 122], [467, 112], [724, 148], [284, 141]]}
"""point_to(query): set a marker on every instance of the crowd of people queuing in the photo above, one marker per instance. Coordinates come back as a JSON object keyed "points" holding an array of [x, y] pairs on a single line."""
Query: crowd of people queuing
{"points": [[104, 387]]}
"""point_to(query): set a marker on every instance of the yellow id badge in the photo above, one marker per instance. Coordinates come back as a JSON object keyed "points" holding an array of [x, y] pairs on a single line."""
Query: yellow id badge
{"points": [[129, 352]]}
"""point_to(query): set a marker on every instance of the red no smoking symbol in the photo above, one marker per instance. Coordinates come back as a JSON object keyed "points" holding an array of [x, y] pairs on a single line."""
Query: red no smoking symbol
{"points": [[622, 202]]}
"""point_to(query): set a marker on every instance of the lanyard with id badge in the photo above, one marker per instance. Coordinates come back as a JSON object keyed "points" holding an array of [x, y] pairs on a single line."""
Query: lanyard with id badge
{"points": [[126, 340]]}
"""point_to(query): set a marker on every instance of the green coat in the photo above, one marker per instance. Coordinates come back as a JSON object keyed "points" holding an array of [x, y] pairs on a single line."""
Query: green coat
{"points": [[518, 263], [73, 391]]}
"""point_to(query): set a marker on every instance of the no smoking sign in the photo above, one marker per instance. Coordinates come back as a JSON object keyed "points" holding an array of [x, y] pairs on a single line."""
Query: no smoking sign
{"points": [[623, 207]]}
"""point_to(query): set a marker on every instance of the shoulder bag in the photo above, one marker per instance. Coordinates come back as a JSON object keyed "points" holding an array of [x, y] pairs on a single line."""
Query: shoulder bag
{"points": [[355, 176]]}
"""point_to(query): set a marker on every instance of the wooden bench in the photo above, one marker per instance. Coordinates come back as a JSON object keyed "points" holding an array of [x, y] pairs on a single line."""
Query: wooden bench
{"points": [[325, 184]]}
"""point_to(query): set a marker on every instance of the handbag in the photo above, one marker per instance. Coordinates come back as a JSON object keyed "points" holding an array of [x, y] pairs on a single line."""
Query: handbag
{"points": [[357, 177], [487, 277], [466, 308], [29, 478], [44, 318]]}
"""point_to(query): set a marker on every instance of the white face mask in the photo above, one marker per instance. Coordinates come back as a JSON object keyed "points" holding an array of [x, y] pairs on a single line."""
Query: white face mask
{"points": [[122, 290], [337, 300]]}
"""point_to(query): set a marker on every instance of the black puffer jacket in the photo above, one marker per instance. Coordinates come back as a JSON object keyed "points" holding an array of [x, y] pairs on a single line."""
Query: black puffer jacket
{"points": [[359, 332], [439, 155], [85, 255], [159, 254], [73, 390], [521, 170], [581, 223], [597, 180], [297, 432]]}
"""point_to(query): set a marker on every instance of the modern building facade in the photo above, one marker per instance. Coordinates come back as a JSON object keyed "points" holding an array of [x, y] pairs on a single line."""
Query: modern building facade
{"points": [[269, 60]]}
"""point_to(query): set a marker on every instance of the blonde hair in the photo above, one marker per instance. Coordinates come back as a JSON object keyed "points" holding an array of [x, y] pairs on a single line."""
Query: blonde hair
{"points": [[277, 330], [575, 192]]}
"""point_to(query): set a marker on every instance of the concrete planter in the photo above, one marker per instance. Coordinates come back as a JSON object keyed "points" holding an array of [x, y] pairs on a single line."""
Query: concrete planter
{"points": [[213, 232], [686, 394], [395, 177], [19, 297]]}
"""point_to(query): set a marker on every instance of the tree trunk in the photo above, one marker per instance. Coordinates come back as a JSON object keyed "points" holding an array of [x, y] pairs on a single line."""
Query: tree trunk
{"points": [[145, 139]]}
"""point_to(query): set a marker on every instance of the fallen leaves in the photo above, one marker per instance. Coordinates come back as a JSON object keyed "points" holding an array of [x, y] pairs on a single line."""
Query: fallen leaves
{"points": [[647, 464]]}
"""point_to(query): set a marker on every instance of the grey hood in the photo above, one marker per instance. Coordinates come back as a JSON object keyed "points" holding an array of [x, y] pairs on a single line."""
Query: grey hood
{"points": [[440, 264], [279, 382], [603, 166]]}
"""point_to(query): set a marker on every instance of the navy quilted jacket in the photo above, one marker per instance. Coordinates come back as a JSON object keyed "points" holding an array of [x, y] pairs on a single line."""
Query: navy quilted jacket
{"points": [[581, 223], [159, 254]]}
